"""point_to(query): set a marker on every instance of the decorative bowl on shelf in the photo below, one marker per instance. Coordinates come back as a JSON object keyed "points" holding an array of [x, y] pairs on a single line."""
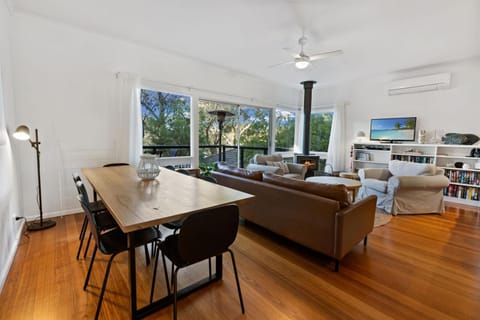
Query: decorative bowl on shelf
{"points": [[148, 168], [458, 165]]}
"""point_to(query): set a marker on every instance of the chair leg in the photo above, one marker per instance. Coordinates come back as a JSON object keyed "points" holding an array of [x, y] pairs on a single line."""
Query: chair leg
{"points": [[147, 254], [175, 294], [165, 271], [104, 285], [154, 274], [236, 279], [365, 241], [87, 278], [84, 228], [210, 268], [88, 245], [82, 236]]}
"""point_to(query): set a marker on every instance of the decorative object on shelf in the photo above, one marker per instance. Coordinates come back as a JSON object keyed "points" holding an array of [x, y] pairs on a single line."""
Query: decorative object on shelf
{"points": [[421, 136], [148, 168], [477, 165], [221, 115], [458, 165], [360, 136], [460, 138], [475, 153], [23, 133]]}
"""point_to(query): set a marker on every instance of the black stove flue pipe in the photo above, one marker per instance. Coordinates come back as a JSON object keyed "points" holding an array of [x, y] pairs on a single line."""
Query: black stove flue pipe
{"points": [[307, 110]]}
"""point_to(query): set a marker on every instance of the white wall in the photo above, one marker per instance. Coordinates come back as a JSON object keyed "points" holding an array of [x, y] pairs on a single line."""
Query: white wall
{"points": [[452, 110], [64, 84], [9, 203]]}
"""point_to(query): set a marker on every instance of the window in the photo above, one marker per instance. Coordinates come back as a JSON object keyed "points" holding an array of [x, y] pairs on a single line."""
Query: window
{"points": [[166, 123], [243, 135], [284, 130], [320, 126]]}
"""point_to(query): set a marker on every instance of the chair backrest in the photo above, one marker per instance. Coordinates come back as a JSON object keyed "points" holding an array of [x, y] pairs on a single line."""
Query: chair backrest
{"points": [[91, 217], [183, 171], [82, 192], [116, 164], [207, 233], [263, 158], [208, 178]]}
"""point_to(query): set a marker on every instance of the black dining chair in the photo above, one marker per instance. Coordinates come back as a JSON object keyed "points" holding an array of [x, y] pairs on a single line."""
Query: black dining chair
{"points": [[104, 219], [113, 242], [203, 235]]}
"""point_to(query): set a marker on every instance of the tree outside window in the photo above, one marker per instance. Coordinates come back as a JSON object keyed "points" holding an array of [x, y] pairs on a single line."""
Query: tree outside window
{"points": [[166, 123], [320, 127], [284, 130]]}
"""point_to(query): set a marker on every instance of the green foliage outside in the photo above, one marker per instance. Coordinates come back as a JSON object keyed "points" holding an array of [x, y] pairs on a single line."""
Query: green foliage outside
{"points": [[166, 121], [320, 127]]}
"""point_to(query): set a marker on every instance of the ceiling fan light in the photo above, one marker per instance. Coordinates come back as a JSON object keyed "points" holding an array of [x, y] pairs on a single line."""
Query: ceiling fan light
{"points": [[301, 64]]}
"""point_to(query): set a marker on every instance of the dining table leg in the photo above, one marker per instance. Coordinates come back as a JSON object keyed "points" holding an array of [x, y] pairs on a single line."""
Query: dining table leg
{"points": [[133, 274]]}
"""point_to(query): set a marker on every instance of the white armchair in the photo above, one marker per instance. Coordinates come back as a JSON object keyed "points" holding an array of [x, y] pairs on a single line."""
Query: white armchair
{"points": [[274, 163], [405, 187]]}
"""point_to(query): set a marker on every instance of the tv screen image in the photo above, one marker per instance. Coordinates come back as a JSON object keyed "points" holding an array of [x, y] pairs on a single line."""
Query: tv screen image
{"points": [[393, 129]]}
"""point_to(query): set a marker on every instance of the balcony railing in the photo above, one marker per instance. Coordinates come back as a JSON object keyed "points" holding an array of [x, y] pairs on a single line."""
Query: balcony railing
{"points": [[182, 154]]}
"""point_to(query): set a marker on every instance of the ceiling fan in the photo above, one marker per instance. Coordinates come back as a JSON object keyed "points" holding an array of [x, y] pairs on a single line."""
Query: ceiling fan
{"points": [[302, 60]]}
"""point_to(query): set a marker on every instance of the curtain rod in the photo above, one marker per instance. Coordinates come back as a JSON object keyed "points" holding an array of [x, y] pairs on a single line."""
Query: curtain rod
{"points": [[201, 90]]}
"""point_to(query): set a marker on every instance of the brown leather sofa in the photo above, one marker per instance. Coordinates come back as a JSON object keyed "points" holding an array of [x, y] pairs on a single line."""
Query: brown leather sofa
{"points": [[315, 215]]}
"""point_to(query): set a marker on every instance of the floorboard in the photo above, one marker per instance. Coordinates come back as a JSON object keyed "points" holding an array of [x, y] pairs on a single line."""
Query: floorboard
{"points": [[415, 267]]}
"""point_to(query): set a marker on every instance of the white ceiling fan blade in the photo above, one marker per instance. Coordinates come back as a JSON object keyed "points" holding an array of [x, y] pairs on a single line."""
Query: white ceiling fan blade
{"points": [[280, 64], [324, 55]]}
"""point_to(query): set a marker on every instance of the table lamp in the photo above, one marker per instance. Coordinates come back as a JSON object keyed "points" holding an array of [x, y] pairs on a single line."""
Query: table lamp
{"points": [[23, 133]]}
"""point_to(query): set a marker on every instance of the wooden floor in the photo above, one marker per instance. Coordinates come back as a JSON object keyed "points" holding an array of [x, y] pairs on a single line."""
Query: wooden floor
{"points": [[415, 267]]}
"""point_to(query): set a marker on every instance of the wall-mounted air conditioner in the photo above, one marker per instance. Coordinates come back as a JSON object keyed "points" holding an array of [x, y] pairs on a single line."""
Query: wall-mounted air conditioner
{"points": [[420, 84]]}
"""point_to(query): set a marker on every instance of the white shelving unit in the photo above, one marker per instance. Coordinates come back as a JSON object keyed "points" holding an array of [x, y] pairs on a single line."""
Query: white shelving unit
{"points": [[464, 180]]}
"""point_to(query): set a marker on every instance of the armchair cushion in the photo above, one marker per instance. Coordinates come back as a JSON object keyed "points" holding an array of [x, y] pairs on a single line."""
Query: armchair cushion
{"points": [[282, 165], [378, 185], [405, 168], [263, 158]]}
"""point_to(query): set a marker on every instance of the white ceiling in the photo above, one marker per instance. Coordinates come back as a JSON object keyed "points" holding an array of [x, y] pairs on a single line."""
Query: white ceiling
{"points": [[377, 36]]}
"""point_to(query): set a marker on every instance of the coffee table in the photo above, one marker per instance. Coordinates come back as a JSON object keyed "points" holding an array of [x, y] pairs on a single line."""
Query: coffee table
{"points": [[352, 185]]}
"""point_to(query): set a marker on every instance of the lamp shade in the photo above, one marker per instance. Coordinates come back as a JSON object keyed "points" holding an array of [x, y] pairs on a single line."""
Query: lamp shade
{"points": [[22, 133], [221, 114]]}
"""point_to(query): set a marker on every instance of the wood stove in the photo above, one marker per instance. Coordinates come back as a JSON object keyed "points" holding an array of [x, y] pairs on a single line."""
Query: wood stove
{"points": [[311, 161]]}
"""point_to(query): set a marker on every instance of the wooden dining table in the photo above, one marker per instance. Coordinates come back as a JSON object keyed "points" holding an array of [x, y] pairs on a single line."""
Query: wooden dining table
{"points": [[137, 204]]}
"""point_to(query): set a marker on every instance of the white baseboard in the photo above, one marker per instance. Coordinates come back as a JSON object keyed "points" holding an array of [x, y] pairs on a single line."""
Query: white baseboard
{"points": [[11, 255], [56, 214]]}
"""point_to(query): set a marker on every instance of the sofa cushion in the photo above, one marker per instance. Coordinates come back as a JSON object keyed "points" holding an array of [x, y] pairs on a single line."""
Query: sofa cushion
{"points": [[264, 168], [406, 168], [282, 165], [336, 192], [240, 172]]}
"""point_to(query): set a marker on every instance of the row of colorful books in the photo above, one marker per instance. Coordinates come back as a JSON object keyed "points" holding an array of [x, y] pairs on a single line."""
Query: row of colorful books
{"points": [[462, 192], [417, 159], [466, 177]]}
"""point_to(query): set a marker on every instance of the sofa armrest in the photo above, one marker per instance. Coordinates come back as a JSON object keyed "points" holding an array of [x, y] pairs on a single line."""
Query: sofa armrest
{"points": [[264, 168], [417, 182], [354, 223], [297, 168], [374, 173]]}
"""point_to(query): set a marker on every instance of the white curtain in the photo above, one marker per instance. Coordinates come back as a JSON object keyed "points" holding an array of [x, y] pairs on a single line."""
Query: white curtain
{"points": [[128, 142], [336, 149]]}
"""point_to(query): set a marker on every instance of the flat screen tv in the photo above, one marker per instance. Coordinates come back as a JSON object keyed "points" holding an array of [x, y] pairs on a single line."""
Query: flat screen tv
{"points": [[393, 129]]}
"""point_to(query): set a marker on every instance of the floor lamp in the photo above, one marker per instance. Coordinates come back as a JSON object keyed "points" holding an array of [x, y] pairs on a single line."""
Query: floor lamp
{"points": [[23, 133], [221, 115]]}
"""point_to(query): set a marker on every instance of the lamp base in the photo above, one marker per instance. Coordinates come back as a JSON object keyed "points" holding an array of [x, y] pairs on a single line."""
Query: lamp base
{"points": [[36, 226]]}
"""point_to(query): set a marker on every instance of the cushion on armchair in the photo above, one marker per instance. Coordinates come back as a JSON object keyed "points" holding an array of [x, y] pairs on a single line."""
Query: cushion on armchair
{"points": [[405, 168], [282, 165]]}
